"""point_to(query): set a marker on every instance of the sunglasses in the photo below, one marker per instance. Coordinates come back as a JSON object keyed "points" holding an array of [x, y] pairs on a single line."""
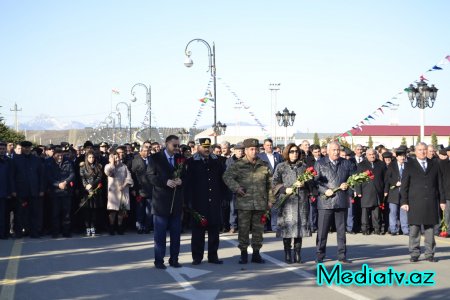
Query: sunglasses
{"points": [[293, 151], [176, 145]]}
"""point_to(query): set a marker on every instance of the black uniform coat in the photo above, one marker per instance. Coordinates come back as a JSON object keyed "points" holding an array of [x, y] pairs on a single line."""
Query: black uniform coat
{"points": [[27, 179], [159, 171], [391, 178], [422, 191], [372, 191], [204, 187], [445, 169]]}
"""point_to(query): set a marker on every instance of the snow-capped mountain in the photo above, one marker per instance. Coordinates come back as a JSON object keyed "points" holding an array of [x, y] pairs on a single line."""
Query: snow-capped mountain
{"points": [[45, 122]]}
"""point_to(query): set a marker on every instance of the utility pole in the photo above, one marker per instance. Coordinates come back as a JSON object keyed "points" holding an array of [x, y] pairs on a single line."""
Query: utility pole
{"points": [[16, 121], [274, 88]]}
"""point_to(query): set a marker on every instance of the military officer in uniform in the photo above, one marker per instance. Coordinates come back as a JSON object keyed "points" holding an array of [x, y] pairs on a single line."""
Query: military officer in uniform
{"points": [[250, 178], [204, 193]]}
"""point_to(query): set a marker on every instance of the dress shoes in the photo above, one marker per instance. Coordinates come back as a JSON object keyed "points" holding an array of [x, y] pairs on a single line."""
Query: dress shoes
{"points": [[345, 261], [196, 262], [244, 257], [350, 232], [414, 259], [160, 266], [394, 233], [432, 259], [175, 264], [215, 261], [256, 257]]}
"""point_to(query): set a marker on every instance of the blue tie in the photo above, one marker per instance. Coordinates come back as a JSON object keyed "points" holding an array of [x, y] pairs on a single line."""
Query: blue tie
{"points": [[171, 161]]}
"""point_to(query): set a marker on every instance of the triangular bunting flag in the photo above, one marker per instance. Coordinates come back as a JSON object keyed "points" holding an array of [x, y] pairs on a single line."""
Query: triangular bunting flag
{"points": [[437, 68]]}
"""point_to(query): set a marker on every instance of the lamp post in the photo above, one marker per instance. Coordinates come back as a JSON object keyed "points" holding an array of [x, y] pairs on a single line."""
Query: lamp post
{"points": [[212, 68], [149, 103], [285, 119], [422, 97], [128, 105], [219, 129]]}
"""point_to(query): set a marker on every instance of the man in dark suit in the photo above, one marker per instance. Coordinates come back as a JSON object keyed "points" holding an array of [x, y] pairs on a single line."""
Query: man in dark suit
{"points": [[310, 162], [421, 195], [167, 200], [392, 187], [272, 159], [332, 172], [371, 193], [204, 193]]}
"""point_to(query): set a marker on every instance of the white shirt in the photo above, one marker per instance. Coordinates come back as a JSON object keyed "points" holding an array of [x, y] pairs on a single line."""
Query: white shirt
{"points": [[169, 157], [422, 161], [271, 159]]}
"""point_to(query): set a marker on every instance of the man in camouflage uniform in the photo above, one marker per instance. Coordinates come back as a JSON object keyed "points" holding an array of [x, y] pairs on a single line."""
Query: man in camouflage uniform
{"points": [[250, 178]]}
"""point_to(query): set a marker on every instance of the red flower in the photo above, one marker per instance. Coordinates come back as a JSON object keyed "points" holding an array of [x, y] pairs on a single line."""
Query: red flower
{"points": [[313, 199], [139, 198], [203, 222], [443, 234], [181, 160], [100, 185], [71, 184], [370, 174], [263, 219], [24, 204], [381, 206], [353, 200], [312, 171]]}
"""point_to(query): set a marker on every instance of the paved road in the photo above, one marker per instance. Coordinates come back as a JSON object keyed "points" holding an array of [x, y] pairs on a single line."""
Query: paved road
{"points": [[121, 267]]}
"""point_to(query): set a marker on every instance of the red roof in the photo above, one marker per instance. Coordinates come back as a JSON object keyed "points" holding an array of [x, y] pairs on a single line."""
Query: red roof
{"points": [[394, 130]]}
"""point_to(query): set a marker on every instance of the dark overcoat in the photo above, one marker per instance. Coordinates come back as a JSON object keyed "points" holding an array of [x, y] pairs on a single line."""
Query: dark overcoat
{"points": [[422, 191], [27, 178], [372, 191], [139, 171], [390, 180]]}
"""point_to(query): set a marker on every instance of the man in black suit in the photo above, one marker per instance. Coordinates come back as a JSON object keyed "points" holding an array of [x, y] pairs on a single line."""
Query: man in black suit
{"points": [[272, 159], [372, 192], [421, 195], [332, 172], [167, 200], [204, 193], [392, 187], [310, 161]]}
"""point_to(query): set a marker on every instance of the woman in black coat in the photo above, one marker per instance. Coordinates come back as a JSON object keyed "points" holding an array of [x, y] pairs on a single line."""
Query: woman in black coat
{"points": [[91, 177]]}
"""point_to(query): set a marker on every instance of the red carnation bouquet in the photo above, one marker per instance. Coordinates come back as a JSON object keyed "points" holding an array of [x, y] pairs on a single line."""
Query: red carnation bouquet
{"points": [[356, 179], [443, 226], [306, 176], [198, 218], [265, 217], [180, 162], [91, 195]]}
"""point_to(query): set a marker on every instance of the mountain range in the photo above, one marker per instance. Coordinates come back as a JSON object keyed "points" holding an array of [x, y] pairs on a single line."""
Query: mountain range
{"points": [[45, 122]]}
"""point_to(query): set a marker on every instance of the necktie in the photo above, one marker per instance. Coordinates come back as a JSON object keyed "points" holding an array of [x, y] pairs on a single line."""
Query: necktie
{"points": [[171, 161], [371, 164], [424, 166], [401, 170]]}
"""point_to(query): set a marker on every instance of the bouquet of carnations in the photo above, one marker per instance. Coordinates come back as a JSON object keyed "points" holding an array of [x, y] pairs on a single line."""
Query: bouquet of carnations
{"points": [[265, 217], [355, 179], [198, 218], [306, 176], [443, 226]]}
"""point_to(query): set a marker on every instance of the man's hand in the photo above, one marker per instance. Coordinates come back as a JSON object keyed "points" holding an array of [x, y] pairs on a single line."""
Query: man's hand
{"points": [[62, 185], [289, 191], [171, 183], [178, 181], [385, 194], [41, 194], [270, 205], [14, 194], [344, 186], [299, 184], [442, 206], [406, 207], [241, 191], [329, 193], [88, 187], [398, 183]]}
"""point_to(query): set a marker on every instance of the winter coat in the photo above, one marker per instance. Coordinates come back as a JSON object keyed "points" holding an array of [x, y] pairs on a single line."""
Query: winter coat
{"points": [[58, 173], [293, 215], [118, 176], [27, 179], [372, 192]]}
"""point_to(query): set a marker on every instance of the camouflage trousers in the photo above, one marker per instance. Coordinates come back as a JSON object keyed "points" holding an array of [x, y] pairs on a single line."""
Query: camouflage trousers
{"points": [[250, 220]]}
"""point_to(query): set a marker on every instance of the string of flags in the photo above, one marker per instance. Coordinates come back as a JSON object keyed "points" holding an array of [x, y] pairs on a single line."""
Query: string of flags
{"points": [[392, 102], [206, 97]]}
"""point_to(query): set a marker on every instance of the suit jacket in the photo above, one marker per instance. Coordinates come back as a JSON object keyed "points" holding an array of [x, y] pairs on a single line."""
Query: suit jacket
{"points": [[27, 178], [330, 177], [159, 171], [445, 170], [140, 173], [204, 187], [372, 191], [276, 157], [422, 191], [391, 178]]}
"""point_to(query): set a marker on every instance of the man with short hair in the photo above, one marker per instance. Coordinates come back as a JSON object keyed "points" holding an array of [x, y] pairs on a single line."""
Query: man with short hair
{"points": [[155, 147], [359, 157], [422, 190], [10, 150], [226, 151], [431, 152], [5, 169], [324, 151], [332, 172], [167, 200], [250, 178]]}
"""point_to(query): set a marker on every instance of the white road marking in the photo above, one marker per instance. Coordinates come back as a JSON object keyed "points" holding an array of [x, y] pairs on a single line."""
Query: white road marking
{"points": [[9, 283]]}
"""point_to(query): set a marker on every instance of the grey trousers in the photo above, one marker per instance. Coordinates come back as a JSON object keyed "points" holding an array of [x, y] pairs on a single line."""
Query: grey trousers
{"points": [[414, 240]]}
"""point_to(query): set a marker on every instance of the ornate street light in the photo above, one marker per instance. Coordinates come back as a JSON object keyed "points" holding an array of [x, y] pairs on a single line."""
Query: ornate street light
{"points": [[285, 119], [149, 103], [128, 105], [188, 62], [219, 129], [422, 97]]}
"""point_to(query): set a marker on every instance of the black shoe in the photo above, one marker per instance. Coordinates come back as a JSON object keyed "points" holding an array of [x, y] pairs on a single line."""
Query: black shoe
{"points": [[160, 266], [351, 232], [111, 231], [414, 259], [256, 257], [244, 257], [345, 261], [196, 262], [215, 261], [140, 231], [432, 259], [175, 264], [54, 236], [366, 232], [377, 232], [394, 233]]}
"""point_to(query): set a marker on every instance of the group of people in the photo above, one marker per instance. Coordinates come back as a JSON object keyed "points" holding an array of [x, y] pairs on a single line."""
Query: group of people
{"points": [[225, 188]]}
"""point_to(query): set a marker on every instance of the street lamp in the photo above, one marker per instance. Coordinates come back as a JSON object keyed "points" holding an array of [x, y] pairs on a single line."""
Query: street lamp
{"points": [[188, 62], [149, 103], [285, 119], [219, 129], [129, 115], [184, 135], [422, 97]]}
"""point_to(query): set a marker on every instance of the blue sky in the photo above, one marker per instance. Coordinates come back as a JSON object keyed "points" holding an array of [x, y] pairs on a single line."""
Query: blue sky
{"points": [[337, 61]]}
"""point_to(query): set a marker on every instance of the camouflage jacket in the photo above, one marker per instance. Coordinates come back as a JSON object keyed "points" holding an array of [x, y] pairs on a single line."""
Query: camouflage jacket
{"points": [[255, 179]]}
